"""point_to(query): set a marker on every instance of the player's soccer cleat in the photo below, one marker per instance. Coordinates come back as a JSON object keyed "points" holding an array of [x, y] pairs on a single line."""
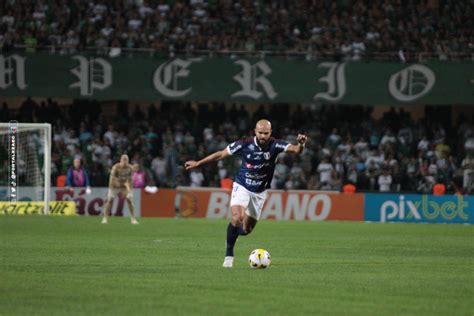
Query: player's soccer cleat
{"points": [[228, 262], [104, 220], [134, 221]]}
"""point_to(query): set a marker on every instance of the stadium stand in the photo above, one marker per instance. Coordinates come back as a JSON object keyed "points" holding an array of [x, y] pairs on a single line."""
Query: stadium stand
{"points": [[344, 29], [417, 154]]}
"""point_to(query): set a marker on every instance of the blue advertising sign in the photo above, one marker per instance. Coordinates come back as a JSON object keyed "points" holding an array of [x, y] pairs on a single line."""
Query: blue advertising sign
{"points": [[413, 208]]}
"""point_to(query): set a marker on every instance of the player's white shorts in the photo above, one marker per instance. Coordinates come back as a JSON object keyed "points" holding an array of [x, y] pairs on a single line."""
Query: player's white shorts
{"points": [[251, 201], [114, 192]]}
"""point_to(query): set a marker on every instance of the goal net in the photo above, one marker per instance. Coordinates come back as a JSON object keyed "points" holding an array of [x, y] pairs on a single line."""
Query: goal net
{"points": [[25, 162]]}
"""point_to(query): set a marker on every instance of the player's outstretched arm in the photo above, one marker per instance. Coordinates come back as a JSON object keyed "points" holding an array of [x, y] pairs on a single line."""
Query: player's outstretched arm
{"points": [[298, 149], [218, 155]]}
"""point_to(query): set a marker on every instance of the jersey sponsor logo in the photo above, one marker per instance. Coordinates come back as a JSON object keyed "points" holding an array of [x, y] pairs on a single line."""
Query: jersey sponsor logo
{"points": [[263, 165], [282, 146], [253, 182], [234, 147], [255, 176]]}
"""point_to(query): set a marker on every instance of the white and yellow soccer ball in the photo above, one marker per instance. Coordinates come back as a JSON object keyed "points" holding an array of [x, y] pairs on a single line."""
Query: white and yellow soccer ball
{"points": [[259, 259]]}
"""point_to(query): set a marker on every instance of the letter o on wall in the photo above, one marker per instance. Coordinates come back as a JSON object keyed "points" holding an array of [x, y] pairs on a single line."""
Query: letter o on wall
{"points": [[325, 202]]}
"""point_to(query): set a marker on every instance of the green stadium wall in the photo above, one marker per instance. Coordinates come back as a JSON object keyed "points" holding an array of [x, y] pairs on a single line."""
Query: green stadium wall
{"points": [[239, 79]]}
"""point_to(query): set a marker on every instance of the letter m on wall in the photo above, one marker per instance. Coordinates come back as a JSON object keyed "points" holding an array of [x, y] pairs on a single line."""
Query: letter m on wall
{"points": [[12, 72]]}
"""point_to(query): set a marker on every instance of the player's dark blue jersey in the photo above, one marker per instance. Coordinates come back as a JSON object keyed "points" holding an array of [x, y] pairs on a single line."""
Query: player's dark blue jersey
{"points": [[258, 164]]}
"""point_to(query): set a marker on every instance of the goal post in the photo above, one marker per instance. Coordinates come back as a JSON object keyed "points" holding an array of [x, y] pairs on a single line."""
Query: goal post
{"points": [[25, 162]]}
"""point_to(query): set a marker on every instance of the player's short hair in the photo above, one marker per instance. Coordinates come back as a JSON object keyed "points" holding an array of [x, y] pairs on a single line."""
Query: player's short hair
{"points": [[263, 122]]}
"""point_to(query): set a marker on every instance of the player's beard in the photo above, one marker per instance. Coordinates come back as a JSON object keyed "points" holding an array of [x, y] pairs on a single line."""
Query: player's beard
{"points": [[262, 142]]}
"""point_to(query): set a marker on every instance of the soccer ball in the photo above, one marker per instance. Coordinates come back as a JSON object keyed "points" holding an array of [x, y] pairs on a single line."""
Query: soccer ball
{"points": [[259, 259]]}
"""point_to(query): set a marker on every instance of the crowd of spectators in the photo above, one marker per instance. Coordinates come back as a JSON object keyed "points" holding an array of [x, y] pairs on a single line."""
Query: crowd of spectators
{"points": [[346, 143], [343, 29]]}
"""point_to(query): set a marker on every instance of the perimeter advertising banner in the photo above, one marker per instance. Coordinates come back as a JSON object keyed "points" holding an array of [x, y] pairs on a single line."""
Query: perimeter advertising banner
{"points": [[419, 208], [280, 205], [27, 208], [86, 204]]}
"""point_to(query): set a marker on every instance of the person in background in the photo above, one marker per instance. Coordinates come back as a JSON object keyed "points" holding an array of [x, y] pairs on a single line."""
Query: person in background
{"points": [[349, 188], [385, 180], [120, 181], [138, 176], [439, 189], [226, 183], [77, 177]]}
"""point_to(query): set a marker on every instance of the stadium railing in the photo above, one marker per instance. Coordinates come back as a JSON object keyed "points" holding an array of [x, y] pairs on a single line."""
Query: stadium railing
{"points": [[307, 55]]}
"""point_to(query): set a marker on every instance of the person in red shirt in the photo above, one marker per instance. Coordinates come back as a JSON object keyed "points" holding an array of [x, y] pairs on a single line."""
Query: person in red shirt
{"points": [[439, 189], [349, 188], [227, 183]]}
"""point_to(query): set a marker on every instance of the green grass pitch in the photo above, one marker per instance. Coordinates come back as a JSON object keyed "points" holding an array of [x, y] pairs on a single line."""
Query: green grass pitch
{"points": [[75, 265]]}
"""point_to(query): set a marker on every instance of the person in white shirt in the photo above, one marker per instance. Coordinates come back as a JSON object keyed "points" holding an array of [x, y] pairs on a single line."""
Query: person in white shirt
{"points": [[110, 135], [158, 165], [197, 178], [388, 138], [385, 181], [423, 144], [469, 145], [325, 170], [468, 174], [362, 147]]}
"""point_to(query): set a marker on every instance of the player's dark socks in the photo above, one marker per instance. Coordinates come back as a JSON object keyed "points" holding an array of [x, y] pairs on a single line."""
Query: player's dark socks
{"points": [[242, 232], [232, 234]]}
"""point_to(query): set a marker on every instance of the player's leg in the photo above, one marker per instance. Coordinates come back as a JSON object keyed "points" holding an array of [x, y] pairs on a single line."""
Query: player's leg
{"points": [[248, 224], [131, 209], [108, 205], [238, 203], [233, 234], [252, 213]]}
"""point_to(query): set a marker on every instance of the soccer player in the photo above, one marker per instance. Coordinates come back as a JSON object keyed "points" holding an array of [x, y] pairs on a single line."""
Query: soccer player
{"points": [[259, 155], [120, 181]]}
